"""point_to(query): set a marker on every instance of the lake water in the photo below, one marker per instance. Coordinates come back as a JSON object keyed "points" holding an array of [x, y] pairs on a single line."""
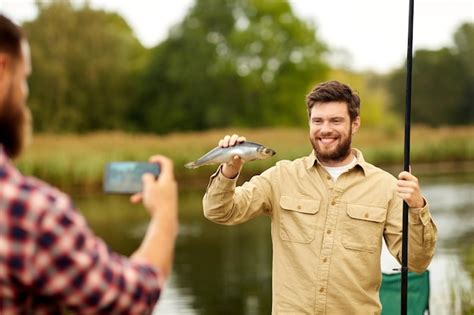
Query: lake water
{"points": [[227, 270]]}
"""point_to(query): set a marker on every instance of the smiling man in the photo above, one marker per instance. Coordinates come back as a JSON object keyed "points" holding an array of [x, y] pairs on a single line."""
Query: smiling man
{"points": [[330, 213]]}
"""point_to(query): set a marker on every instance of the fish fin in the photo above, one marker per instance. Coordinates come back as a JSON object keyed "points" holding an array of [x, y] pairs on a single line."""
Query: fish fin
{"points": [[191, 165]]}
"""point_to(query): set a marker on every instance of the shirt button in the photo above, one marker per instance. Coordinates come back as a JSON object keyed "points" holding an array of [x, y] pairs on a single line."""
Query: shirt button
{"points": [[328, 231], [325, 259], [299, 207], [328, 177], [333, 203], [366, 215], [321, 290]]}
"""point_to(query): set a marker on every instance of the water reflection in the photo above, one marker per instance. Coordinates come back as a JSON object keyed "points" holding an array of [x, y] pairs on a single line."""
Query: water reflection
{"points": [[227, 270], [452, 269]]}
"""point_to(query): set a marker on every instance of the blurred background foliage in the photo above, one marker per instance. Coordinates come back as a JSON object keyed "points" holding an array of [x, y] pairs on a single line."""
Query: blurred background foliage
{"points": [[229, 66], [85, 65], [443, 82], [228, 63]]}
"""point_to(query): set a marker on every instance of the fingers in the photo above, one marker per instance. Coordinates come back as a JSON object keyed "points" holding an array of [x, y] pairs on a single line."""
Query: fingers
{"points": [[158, 193], [407, 181], [166, 166], [405, 190], [407, 176], [233, 140], [229, 141], [224, 142], [147, 179], [236, 139], [136, 198], [237, 161], [408, 189]]}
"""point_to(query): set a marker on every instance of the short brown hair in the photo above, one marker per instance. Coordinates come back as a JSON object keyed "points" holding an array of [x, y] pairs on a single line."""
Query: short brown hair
{"points": [[334, 91], [11, 36]]}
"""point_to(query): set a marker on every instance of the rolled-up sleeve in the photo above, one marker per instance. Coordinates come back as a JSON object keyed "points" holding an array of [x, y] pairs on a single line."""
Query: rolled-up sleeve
{"points": [[224, 203]]}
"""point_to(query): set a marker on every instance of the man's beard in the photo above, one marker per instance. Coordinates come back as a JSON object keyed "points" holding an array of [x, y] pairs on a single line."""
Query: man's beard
{"points": [[338, 154], [15, 125]]}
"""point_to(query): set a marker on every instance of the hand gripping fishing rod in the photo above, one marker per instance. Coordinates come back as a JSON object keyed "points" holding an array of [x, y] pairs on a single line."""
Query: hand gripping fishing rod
{"points": [[406, 159]]}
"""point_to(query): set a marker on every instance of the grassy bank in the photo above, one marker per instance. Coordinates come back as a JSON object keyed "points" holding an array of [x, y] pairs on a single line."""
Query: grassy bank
{"points": [[80, 159]]}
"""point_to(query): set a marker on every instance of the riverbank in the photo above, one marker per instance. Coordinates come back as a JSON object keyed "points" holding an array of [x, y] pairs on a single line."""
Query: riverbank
{"points": [[79, 160]]}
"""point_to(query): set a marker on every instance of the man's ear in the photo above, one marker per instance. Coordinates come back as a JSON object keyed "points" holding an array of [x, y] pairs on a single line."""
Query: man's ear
{"points": [[355, 124]]}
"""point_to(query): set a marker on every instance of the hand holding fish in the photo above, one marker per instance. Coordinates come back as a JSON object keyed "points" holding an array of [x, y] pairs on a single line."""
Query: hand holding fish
{"points": [[233, 151], [233, 167]]}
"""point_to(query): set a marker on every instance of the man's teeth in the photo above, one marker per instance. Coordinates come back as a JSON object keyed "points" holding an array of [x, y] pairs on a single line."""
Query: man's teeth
{"points": [[327, 140]]}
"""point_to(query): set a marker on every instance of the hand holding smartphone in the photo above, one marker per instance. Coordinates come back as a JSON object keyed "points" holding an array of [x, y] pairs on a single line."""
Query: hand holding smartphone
{"points": [[126, 177]]}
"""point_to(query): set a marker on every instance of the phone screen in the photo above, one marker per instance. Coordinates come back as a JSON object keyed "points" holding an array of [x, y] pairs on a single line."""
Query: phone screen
{"points": [[126, 177]]}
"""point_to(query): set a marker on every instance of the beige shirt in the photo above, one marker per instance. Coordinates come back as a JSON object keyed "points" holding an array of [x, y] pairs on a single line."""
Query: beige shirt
{"points": [[327, 236]]}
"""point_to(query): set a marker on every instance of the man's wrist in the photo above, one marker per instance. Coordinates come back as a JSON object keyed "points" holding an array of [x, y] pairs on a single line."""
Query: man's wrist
{"points": [[420, 204], [229, 172], [166, 223]]}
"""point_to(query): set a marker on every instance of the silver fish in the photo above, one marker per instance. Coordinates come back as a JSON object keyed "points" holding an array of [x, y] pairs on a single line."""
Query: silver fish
{"points": [[248, 151]]}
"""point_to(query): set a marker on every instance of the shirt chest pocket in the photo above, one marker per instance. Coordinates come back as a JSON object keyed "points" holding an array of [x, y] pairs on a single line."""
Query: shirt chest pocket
{"points": [[363, 227], [298, 219]]}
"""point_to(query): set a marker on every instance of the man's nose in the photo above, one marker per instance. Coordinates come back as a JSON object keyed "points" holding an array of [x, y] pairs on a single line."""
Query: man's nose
{"points": [[326, 127]]}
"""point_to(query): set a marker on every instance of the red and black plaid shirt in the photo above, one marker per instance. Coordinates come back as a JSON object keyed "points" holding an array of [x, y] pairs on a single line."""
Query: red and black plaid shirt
{"points": [[50, 261]]}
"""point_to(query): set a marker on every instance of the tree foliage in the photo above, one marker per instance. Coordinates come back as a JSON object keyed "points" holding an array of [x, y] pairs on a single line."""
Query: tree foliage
{"points": [[241, 62], [227, 63], [84, 62], [443, 83], [464, 48]]}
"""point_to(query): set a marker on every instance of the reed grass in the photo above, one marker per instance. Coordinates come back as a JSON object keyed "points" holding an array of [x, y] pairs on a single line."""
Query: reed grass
{"points": [[79, 160], [461, 298]]}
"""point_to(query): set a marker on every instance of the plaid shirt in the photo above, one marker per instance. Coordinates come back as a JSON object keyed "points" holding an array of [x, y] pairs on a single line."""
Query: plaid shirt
{"points": [[50, 261]]}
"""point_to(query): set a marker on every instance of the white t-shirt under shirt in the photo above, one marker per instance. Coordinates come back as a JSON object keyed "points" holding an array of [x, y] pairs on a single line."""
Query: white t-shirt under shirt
{"points": [[335, 172]]}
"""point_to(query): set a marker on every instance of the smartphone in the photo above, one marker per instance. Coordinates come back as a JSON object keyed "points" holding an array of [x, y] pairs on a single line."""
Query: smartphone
{"points": [[126, 177]]}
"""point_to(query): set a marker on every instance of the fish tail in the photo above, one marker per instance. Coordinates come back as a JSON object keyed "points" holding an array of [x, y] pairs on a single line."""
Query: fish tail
{"points": [[191, 165]]}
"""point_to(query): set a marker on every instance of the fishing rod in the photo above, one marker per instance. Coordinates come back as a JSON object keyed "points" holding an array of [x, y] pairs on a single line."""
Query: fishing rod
{"points": [[406, 159]]}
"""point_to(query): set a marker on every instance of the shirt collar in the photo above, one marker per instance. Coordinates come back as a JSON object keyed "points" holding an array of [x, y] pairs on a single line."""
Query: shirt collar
{"points": [[312, 160]]}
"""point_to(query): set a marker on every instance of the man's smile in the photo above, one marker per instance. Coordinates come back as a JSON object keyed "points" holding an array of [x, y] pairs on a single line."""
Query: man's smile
{"points": [[326, 141]]}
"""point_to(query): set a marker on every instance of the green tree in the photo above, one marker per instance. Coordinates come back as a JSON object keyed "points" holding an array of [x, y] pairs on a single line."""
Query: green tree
{"points": [[84, 65], [442, 83], [464, 49], [231, 62]]}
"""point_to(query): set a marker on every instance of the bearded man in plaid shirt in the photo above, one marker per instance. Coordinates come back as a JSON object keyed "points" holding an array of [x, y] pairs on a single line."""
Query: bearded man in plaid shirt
{"points": [[50, 261]]}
